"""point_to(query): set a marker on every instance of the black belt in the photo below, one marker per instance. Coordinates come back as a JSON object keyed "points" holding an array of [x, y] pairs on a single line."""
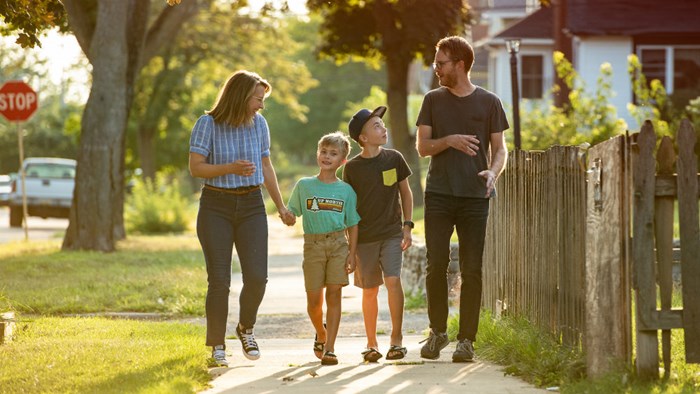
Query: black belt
{"points": [[236, 190]]}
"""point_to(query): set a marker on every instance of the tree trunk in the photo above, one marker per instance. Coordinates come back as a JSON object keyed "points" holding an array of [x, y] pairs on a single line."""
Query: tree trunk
{"points": [[117, 44], [404, 141], [562, 43], [99, 176]]}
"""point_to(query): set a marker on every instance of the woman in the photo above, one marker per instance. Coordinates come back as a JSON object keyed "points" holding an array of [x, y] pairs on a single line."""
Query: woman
{"points": [[230, 149]]}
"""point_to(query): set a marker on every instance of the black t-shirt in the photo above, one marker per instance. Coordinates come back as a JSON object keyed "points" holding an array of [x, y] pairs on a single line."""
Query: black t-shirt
{"points": [[453, 172], [376, 183]]}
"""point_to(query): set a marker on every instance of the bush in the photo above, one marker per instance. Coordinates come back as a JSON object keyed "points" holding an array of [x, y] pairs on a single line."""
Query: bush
{"points": [[587, 118], [156, 207]]}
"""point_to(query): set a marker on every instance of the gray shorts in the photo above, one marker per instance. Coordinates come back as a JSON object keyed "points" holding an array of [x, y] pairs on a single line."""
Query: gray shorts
{"points": [[377, 258]]}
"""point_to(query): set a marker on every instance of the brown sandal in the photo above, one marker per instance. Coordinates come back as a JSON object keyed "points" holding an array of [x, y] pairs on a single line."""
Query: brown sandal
{"points": [[371, 355], [396, 352], [318, 347], [329, 358]]}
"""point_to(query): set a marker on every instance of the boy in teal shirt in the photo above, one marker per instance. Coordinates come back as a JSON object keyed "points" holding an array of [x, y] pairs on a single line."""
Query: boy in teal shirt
{"points": [[328, 207]]}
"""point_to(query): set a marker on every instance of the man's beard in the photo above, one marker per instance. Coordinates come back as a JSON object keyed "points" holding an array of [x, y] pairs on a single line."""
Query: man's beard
{"points": [[446, 81]]}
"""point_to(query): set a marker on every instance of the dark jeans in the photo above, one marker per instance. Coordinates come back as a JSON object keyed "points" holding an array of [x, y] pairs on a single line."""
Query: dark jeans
{"points": [[442, 214], [225, 220]]}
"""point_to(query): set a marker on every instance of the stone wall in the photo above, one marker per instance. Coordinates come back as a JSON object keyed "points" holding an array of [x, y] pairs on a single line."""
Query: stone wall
{"points": [[413, 272]]}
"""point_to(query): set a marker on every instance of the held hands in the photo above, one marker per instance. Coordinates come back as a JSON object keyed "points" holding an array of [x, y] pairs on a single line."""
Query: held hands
{"points": [[243, 168], [468, 144], [490, 178], [350, 263], [287, 217]]}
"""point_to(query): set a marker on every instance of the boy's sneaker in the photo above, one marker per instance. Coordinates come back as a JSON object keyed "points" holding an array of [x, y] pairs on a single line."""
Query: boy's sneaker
{"points": [[250, 347], [436, 341], [464, 352], [218, 356]]}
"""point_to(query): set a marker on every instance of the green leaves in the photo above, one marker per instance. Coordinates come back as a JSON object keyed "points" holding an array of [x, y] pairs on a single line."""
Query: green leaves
{"points": [[30, 18]]}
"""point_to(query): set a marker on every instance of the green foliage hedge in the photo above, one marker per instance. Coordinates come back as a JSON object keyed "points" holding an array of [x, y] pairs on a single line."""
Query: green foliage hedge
{"points": [[156, 207]]}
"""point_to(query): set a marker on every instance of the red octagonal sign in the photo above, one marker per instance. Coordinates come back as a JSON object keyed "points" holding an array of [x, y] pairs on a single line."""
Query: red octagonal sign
{"points": [[18, 101]]}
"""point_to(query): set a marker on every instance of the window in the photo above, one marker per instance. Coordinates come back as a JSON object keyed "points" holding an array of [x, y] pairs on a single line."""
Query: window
{"points": [[677, 67], [532, 78], [686, 69], [50, 170]]}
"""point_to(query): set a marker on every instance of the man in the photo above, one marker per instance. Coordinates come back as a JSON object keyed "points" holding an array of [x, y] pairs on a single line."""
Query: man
{"points": [[460, 126]]}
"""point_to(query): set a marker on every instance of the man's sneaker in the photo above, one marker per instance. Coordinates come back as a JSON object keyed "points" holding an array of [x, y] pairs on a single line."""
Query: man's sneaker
{"points": [[218, 356], [464, 352], [436, 341], [250, 347]]}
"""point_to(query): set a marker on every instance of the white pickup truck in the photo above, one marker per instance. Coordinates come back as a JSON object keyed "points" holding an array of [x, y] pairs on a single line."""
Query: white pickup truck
{"points": [[49, 183]]}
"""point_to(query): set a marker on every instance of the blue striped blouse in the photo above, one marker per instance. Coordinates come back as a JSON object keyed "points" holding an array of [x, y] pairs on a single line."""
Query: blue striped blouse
{"points": [[221, 143]]}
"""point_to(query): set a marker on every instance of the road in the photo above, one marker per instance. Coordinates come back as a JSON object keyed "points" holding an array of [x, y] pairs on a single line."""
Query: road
{"points": [[38, 228]]}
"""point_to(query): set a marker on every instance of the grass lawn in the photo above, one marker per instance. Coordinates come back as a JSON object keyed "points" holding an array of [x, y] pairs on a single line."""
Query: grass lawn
{"points": [[538, 358], [163, 274], [95, 355]]}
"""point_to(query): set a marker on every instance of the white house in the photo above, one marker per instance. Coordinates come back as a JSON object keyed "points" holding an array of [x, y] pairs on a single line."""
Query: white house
{"points": [[665, 35]]}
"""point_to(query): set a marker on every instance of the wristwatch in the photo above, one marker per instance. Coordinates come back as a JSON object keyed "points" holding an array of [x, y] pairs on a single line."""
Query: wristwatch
{"points": [[409, 223]]}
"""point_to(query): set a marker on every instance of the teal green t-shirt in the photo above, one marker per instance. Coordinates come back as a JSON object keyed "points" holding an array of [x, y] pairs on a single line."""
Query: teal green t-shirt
{"points": [[324, 207]]}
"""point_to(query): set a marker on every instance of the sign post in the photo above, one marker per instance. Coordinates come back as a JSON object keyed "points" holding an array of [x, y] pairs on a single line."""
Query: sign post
{"points": [[18, 101]]}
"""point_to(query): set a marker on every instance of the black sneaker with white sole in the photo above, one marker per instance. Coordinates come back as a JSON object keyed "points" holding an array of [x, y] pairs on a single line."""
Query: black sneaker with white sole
{"points": [[218, 356], [436, 341], [464, 352], [247, 338]]}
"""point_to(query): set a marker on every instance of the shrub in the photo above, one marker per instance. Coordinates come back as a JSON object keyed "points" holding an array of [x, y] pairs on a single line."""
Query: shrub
{"points": [[589, 117], [156, 207]]}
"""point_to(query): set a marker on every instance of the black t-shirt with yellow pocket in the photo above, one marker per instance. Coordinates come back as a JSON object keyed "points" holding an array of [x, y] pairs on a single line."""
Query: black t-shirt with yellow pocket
{"points": [[376, 183]]}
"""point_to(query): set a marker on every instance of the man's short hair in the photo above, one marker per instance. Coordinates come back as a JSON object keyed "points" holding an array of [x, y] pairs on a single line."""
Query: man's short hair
{"points": [[457, 48]]}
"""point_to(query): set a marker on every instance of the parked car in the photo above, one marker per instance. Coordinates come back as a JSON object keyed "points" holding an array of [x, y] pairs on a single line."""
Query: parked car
{"points": [[49, 183], [5, 188]]}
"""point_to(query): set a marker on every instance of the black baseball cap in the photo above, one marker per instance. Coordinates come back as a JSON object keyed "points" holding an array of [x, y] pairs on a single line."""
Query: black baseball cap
{"points": [[360, 118]]}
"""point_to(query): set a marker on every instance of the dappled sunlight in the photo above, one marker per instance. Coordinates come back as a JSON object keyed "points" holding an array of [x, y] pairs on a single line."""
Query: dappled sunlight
{"points": [[468, 369], [159, 243], [34, 248], [292, 372]]}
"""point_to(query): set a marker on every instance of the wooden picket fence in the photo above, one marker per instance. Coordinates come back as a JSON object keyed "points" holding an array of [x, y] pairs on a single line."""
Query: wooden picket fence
{"points": [[534, 254], [655, 189], [570, 240]]}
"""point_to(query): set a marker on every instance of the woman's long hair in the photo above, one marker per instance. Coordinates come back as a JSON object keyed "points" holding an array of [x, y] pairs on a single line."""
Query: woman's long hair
{"points": [[231, 105]]}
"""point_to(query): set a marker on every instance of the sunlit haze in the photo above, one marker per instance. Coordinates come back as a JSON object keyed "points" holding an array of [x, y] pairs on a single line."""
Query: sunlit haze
{"points": [[63, 53]]}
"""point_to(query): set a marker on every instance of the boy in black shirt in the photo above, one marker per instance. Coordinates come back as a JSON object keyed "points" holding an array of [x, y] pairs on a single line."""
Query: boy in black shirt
{"points": [[379, 176]]}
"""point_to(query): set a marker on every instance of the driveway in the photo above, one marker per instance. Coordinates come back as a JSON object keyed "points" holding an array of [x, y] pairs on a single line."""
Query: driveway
{"points": [[38, 228]]}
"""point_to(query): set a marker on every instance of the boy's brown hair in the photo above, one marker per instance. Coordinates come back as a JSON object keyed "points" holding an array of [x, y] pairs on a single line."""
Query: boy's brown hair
{"points": [[337, 139]]}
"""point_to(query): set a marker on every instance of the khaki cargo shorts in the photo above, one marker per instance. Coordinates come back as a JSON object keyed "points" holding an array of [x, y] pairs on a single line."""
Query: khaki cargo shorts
{"points": [[325, 256]]}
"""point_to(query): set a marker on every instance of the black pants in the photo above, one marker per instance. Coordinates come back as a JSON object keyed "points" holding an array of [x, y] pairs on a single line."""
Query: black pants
{"points": [[225, 220], [444, 213]]}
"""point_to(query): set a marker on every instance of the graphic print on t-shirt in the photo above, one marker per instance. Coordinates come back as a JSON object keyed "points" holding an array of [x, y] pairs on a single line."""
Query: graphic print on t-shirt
{"points": [[317, 204]]}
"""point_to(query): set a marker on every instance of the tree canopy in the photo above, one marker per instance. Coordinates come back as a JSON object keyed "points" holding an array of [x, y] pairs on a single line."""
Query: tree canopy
{"points": [[29, 19], [395, 32], [119, 38]]}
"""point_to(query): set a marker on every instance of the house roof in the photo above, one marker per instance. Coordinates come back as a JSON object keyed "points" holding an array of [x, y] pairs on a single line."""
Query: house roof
{"points": [[612, 17], [633, 17], [539, 24]]}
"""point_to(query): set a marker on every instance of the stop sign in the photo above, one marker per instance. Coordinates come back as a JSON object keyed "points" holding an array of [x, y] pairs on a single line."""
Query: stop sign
{"points": [[18, 101]]}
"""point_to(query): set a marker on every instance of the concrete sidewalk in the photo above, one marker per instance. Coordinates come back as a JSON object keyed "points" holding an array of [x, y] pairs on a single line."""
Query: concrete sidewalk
{"points": [[289, 366], [287, 363]]}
